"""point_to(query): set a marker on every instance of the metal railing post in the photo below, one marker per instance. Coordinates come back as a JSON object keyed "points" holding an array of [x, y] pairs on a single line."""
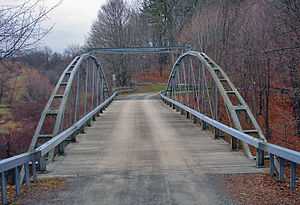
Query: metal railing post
{"points": [[82, 130], [61, 148], [3, 189], [260, 155], [204, 125], [43, 164], [216, 133], [293, 176], [187, 115], [234, 144], [281, 169], [73, 137], [181, 111], [27, 174], [17, 181], [272, 164], [89, 123], [34, 175], [195, 120]]}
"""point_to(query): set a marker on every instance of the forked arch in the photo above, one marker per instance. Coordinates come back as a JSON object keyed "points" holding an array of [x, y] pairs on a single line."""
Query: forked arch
{"points": [[80, 89], [198, 82]]}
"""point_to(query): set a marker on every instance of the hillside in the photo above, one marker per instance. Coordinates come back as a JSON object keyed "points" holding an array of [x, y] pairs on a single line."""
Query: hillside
{"points": [[25, 94]]}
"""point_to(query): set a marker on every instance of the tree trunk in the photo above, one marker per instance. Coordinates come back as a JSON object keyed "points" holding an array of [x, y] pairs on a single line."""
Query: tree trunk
{"points": [[295, 81], [1, 92], [267, 102]]}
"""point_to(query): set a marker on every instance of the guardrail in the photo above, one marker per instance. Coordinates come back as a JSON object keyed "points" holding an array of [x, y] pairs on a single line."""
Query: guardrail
{"points": [[283, 155], [24, 160], [55, 141], [16, 163]]}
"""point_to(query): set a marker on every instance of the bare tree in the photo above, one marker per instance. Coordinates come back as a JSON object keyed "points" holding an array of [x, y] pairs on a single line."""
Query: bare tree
{"points": [[20, 25], [109, 30], [72, 50], [287, 44]]}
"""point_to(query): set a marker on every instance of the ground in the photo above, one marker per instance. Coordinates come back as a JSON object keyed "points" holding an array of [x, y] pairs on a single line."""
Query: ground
{"points": [[243, 189], [259, 189], [36, 191], [151, 88]]}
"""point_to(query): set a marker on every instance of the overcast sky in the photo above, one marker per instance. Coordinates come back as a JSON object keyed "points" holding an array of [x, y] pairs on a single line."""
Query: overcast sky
{"points": [[72, 21]]}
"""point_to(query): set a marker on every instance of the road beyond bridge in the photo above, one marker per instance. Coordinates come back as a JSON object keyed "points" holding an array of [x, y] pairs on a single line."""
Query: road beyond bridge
{"points": [[141, 152]]}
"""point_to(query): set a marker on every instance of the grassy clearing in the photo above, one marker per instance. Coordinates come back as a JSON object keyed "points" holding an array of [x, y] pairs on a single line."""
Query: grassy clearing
{"points": [[4, 110], [151, 88], [3, 131]]}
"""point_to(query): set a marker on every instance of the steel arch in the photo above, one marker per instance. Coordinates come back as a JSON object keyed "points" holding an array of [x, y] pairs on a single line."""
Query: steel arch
{"points": [[83, 96], [220, 79]]}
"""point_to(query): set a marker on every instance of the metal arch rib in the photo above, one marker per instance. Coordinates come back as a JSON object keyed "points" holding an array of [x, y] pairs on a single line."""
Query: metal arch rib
{"points": [[101, 73], [76, 65], [47, 107], [212, 67]]}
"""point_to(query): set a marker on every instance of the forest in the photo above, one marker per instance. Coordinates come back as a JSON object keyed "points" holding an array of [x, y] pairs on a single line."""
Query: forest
{"points": [[256, 42]]}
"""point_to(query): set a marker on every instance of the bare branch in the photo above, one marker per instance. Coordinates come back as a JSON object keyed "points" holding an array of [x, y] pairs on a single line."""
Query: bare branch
{"points": [[20, 26]]}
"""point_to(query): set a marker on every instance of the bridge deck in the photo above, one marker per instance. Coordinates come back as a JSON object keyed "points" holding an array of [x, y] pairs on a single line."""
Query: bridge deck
{"points": [[140, 152]]}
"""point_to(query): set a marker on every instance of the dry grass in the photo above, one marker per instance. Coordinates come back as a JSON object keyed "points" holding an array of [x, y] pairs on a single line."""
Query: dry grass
{"points": [[151, 88], [35, 190], [260, 189]]}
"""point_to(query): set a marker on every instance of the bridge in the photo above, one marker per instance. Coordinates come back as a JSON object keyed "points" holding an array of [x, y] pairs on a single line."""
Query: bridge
{"points": [[152, 148]]}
